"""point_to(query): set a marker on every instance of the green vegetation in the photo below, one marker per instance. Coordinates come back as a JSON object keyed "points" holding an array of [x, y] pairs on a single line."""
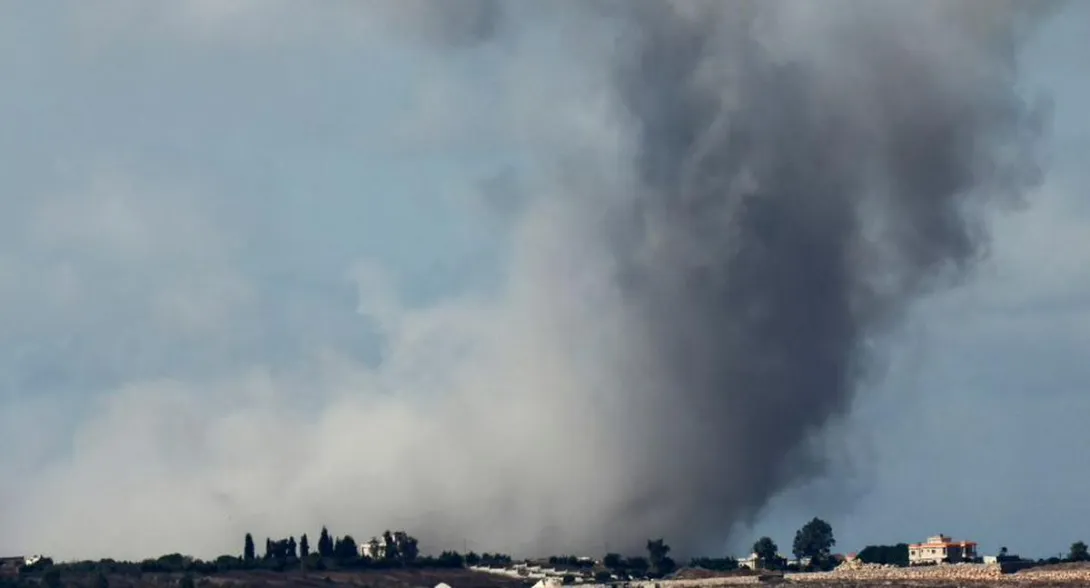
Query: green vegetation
{"points": [[657, 564], [896, 555], [768, 554], [1078, 552], [657, 555], [726, 564], [626, 567], [325, 544], [815, 541], [398, 550], [571, 560], [813, 544]]}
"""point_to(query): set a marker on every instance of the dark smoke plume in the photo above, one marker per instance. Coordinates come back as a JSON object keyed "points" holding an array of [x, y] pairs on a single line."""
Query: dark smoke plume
{"points": [[799, 180], [800, 174]]}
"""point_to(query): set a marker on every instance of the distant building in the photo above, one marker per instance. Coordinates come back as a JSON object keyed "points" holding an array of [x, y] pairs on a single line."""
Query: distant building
{"points": [[801, 562], [941, 549], [373, 549], [1003, 556], [749, 562], [754, 563]]}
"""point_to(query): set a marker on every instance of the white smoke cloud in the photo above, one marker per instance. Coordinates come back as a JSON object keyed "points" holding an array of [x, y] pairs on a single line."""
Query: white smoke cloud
{"points": [[475, 422]]}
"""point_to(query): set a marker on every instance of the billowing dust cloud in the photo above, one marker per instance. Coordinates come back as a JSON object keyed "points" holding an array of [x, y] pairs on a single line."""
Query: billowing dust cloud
{"points": [[744, 198]]}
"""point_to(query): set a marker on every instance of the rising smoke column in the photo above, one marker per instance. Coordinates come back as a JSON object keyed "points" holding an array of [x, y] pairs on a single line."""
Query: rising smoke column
{"points": [[797, 175], [801, 174], [692, 294]]}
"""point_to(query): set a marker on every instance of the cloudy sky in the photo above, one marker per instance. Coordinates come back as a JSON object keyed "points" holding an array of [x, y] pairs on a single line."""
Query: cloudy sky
{"points": [[258, 273]]}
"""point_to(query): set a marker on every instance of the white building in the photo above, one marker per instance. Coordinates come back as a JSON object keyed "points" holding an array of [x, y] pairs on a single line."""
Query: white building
{"points": [[801, 562], [749, 561], [754, 563], [941, 549], [373, 549]]}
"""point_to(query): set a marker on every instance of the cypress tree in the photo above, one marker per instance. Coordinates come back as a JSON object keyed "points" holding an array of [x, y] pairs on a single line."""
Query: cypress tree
{"points": [[248, 549], [325, 544]]}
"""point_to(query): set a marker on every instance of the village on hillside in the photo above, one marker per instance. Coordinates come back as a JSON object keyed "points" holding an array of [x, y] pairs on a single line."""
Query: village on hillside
{"points": [[394, 558], [936, 550]]}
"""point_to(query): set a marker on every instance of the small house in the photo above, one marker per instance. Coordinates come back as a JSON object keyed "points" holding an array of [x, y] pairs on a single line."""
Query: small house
{"points": [[941, 549]]}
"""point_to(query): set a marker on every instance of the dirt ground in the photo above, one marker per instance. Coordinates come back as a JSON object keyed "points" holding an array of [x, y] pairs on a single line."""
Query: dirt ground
{"points": [[311, 579], [951, 576], [1041, 577]]}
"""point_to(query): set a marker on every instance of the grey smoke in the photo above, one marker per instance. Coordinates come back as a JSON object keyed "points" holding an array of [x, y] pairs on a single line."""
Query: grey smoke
{"points": [[800, 175], [460, 24], [729, 205], [789, 208]]}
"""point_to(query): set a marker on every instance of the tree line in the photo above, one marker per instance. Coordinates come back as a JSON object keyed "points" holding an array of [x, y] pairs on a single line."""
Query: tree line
{"points": [[812, 548], [396, 549], [657, 564], [391, 549], [814, 542]]}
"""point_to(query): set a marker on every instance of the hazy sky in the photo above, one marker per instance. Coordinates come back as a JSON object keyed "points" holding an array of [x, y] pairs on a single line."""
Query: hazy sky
{"points": [[246, 249]]}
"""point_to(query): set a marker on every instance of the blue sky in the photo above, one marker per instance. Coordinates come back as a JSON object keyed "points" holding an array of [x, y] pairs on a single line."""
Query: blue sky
{"points": [[243, 225]]}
